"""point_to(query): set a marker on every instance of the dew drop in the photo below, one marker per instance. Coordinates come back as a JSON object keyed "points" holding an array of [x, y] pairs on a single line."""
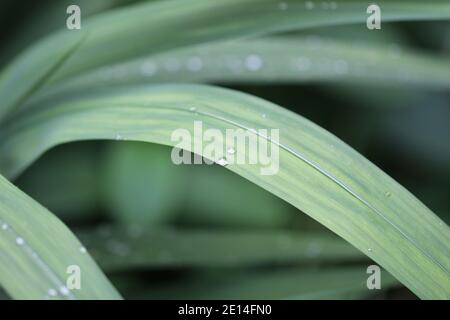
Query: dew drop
{"points": [[195, 64], [309, 5], [253, 62], [231, 151], [119, 137], [52, 292], [193, 109], [369, 249], [5, 226], [264, 115], [387, 194], [83, 250], [64, 291], [20, 241], [222, 162]]}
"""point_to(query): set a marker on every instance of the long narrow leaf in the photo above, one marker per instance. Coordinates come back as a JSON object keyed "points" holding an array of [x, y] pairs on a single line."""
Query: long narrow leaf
{"points": [[137, 248], [318, 173], [144, 29], [37, 251], [294, 284], [275, 60]]}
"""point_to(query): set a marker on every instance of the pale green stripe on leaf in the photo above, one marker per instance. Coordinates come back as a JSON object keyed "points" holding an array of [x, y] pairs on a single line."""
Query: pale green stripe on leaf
{"points": [[36, 250]]}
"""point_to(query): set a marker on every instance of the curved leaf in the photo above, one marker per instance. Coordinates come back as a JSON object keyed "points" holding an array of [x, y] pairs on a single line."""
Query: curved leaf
{"points": [[144, 28], [274, 60], [318, 173], [137, 248], [36, 250]]}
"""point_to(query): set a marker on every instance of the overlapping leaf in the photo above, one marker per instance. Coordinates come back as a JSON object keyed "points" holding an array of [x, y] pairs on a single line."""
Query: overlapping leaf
{"points": [[318, 173], [37, 250]]}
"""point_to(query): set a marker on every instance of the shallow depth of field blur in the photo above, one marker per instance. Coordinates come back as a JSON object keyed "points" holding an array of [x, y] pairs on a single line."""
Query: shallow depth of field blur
{"points": [[164, 231]]}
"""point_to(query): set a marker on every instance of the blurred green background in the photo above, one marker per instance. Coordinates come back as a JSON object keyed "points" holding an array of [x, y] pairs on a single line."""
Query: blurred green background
{"points": [[166, 231]]}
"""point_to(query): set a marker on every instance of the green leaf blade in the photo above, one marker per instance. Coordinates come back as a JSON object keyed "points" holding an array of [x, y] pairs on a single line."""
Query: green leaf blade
{"points": [[318, 173], [117, 35], [37, 250]]}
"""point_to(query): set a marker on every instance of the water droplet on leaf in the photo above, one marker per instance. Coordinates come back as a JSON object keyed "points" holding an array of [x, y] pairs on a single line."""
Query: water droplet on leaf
{"points": [[20, 241], [309, 5], [223, 162], [52, 292], [313, 250], [64, 291], [195, 64], [253, 62]]}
